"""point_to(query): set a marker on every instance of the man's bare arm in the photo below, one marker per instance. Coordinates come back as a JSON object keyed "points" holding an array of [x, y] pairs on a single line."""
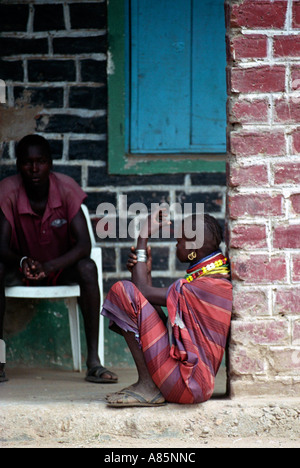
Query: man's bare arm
{"points": [[7, 256], [80, 250]]}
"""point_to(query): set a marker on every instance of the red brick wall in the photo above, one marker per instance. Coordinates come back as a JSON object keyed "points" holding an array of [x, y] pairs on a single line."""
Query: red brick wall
{"points": [[263, 47]]}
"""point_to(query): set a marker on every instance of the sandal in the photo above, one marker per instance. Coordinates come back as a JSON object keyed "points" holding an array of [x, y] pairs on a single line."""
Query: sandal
{"points": [[95, 373], [139, 400]]}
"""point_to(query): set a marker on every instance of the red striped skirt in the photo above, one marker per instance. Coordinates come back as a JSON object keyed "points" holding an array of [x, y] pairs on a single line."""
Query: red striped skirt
{"points": [[183, 363]]}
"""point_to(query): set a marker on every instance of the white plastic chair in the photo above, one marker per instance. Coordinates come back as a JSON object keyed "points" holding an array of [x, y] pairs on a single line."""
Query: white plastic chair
{"points": [[70, 294]]}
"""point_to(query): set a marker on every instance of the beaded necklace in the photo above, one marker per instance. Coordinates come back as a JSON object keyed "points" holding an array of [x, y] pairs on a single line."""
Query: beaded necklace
{"points": [[214, 264]]}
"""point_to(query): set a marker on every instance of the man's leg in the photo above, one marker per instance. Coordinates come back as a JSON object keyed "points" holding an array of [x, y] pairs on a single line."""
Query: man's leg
{"points": [[145, 388], [148, 341], [90, 306], [87, 277], [2, 313], [2, 298]]}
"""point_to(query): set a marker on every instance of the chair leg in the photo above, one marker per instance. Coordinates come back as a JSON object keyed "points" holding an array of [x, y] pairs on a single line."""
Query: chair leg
{"points": [[101, 321], [101, 340], [75, 333]]}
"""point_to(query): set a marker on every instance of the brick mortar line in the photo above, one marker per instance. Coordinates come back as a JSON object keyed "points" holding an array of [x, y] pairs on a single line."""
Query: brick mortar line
{"points": [[54, 34], [234, 32], [74, 111], [261, 95], [259, 63], [166, 188], [258, 160], [48, 2], [97, 56]]}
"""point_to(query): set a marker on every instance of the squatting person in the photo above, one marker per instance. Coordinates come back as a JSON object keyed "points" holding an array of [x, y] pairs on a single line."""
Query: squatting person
{"points": [[178, 355]]}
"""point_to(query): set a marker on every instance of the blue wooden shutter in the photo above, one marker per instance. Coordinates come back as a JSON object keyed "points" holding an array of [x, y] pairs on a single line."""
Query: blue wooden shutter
{"points": [[177, 79]]}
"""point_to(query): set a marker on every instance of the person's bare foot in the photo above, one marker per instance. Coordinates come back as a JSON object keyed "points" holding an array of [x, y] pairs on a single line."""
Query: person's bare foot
{"points": [[136, 395]]}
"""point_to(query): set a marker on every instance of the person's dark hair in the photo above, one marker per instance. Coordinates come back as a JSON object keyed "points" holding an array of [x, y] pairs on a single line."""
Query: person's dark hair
{"points": [[212, 229], [212, 225], [32, 140]]}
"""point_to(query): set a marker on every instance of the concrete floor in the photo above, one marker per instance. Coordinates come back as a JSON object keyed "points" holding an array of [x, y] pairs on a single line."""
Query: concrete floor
{"points": [[54, 386], [57, 408], [51, 385]]}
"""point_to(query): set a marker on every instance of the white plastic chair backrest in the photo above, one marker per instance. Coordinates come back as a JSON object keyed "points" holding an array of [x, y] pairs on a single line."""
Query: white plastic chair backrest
{"points": [[89, 224]]}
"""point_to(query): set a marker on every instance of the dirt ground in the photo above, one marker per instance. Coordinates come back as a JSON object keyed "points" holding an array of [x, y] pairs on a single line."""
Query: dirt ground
{"points": [[163, 445], [42, 408]]}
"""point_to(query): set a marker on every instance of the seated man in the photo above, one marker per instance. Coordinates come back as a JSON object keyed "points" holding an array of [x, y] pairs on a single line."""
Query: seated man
{"points": [[44, 240], [177, 356]]}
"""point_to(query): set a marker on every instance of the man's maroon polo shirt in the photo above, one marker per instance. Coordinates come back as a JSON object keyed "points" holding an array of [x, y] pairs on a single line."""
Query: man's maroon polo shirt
{"points": [[47, 237]]}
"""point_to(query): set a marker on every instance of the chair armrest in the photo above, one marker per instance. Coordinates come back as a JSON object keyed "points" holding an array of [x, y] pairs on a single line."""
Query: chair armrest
{"points": [[96, 255]]}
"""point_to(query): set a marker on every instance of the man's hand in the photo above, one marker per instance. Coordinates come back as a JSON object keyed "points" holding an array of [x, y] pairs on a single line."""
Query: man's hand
{"points": [[33, 270]]}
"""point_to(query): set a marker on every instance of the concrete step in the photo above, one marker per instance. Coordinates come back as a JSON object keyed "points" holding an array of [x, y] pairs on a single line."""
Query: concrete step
{"points": [[50, 408]]}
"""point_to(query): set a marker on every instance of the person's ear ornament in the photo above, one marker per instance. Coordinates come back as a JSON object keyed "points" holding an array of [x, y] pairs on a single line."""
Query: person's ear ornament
{"points": [[192, 256]]}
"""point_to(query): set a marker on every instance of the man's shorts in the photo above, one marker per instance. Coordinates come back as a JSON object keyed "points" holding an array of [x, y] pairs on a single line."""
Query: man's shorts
{"points": [[16, 278]]}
